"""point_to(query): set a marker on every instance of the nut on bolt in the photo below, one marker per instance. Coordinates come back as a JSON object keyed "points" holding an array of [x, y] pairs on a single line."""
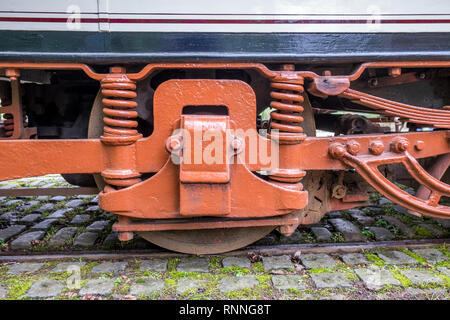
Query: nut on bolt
{"points": [[399, 144], [337, 150], [376, 147]]}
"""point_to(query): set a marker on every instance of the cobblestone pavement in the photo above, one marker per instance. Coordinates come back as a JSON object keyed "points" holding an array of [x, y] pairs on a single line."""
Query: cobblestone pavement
{"points": [[417, 274], [43, 224]]}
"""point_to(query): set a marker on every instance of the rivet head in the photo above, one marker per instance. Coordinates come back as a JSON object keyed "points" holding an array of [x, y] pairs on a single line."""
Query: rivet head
{"points": [[419, 145], [376, 147], [353, 147], [399, 144]]}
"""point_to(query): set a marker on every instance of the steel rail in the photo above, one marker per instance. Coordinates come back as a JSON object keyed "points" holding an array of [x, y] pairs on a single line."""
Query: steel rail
{"points": [[328, 248]]}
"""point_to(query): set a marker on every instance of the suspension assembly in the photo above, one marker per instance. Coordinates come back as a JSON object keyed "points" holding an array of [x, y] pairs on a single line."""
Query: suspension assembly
{"points": [[150, 192], [120, 131], [285, 124]]}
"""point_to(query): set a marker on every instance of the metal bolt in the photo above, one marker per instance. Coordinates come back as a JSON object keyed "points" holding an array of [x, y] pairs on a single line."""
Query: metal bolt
{"points": [[353, 147], [13, 74], [419, 145], [395, 72], [376, 147], [174, 143], [422, 75], [373, 82]]}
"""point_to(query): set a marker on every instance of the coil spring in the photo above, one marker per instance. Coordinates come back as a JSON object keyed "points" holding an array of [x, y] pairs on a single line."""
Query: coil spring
{"points": [[119, 114], [120, 125], [286, 118], [8, 124]]}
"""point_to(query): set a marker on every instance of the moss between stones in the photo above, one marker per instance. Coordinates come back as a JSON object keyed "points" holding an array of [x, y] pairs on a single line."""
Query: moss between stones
{"points": [[415, 256], [376, 260]]}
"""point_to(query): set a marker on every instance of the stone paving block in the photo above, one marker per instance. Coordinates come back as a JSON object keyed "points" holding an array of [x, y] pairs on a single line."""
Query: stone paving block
{"points": [[444, 270], [354, 258], [11, 202], [289, 281], [86, 239], [348, 229], [109, 267], [63, 236], [420, 277], [277, 263], [321, 233], [316, 261], [156, 265], [9, 216], [25, 240], [98, 226], [58, 214], [44, 225], [26, 267], [431, 255], [382, 201], [11, 231], [28, 205], [92, 208], [58, 198], [9, 186], [94, 200], [45, 207], [3, 292], [403, 228], [74, 203], [45, 288], [102, 287], [381, 234], [80, 219], [267, 240], [362, 218], [241, 262], [334, 214], [184, 285], [48, 185], [443, 222], [375, 210], [376, 278], [107, 215], [147, 287], [396, 257], [293, 238], [30, 218], [434, 230], [68, 266], [111, 239], [193, 265], [229, 284], [330, 280]]}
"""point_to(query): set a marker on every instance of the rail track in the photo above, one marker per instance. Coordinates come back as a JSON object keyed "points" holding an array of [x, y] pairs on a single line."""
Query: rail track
{"points": [[270, 250]]}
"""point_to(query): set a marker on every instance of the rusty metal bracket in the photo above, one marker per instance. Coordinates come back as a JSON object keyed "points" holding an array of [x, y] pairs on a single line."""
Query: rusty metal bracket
{"points": [[367, 167]]}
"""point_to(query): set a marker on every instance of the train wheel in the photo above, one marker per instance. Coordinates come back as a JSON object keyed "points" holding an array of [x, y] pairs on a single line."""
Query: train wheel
{"points": [[208, 241]]}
